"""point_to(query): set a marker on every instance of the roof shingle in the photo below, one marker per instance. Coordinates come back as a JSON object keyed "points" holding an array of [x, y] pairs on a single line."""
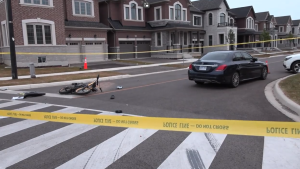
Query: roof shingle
{"points": [[205, 5], [282, 20], [262, 16], [241, 12], [296, 22]]}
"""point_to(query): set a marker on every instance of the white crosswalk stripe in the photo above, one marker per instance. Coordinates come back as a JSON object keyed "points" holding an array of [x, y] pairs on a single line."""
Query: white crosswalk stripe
{"points": [[106, 153], [196, 151], [279, 152], [7, 104], [22, 125]]}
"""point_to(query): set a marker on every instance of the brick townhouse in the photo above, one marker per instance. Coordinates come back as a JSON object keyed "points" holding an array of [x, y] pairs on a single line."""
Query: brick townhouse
{"points": [[54, 26]]}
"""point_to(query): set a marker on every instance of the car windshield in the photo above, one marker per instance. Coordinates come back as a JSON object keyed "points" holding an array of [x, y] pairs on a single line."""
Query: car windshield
{"points": [[215, 56]]}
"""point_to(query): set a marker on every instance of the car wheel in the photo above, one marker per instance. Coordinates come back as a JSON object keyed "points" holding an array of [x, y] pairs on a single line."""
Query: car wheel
{"points": [[199, 83], [295, 67], [264, 74], [235, 80]]}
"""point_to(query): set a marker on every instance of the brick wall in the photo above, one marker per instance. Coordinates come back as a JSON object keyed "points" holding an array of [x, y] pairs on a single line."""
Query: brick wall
{"points": [[85, 33], [26, 12], [2, 18], [71, 17]]}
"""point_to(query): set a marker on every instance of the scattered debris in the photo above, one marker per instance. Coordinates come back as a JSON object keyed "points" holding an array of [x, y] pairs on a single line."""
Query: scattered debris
{"points": [[119, 111], [119, 87], [28, 94], [17, 98], [112, 97], [3, 89]]}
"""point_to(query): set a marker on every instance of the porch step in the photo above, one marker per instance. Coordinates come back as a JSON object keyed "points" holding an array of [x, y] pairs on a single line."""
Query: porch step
{"points": [[277, 49]]}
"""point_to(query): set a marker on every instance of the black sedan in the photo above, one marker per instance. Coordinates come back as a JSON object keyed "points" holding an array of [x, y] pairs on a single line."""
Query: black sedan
{"points": [[227, 67]]}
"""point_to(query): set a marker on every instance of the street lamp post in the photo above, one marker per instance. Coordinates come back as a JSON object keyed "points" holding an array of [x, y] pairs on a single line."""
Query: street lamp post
{"points": [[14, 71]]}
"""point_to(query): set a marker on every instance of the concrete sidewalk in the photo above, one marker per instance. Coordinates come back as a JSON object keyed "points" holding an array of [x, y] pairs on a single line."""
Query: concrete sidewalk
{"points": [[104, 70]]}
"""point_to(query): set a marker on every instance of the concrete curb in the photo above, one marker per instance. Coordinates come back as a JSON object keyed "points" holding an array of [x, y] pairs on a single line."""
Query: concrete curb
{"points": [[103, 70], [41, 85], [269, 93], [283, 99]]}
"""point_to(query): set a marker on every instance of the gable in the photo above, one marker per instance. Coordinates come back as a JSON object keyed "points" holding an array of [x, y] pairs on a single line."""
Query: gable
{"points": [[251, 13]]}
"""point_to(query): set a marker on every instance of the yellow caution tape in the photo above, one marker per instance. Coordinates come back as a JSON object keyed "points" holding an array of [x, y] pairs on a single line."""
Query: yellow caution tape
{"points": [[155, 51], [235, 127]]}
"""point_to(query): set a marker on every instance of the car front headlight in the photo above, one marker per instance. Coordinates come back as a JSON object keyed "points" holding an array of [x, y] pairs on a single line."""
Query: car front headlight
{"points": [[287, 58]]}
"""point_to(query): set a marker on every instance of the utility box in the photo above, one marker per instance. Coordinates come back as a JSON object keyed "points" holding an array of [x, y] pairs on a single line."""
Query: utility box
{"points": [[32, 70]]}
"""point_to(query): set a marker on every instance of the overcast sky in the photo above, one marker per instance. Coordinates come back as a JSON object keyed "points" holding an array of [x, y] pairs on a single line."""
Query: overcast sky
{"points": [[275, 7]]}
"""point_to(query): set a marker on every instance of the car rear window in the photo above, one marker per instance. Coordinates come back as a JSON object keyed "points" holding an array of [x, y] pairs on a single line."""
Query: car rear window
{"points": [[215, 56]]}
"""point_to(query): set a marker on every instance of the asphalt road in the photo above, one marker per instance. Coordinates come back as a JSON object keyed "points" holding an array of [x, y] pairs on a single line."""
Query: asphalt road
{"points": [[161, 95]]}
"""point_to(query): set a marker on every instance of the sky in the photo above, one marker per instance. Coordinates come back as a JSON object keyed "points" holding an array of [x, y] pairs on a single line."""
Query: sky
{"points": [[275, 7]]}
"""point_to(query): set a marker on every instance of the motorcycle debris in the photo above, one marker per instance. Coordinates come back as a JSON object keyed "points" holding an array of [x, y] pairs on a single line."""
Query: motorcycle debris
{"points": [[17, 98], [119, 111], [112, 97], [119, 87]]}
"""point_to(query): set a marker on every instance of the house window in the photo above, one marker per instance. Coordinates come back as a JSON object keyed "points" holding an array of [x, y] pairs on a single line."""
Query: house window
{"points": [[171, 13], [48, 3], [158, 39], [4, 33], [185, 38], [157, 13], [38, 32], [140, 14], [293, 30], [83, 7], [177, 12], [256, 27], [210, 19], [222, 18], [133, 11], [221, 39], [184, 15], [197, 20], [210, 40], [250, 23], [126, 12], [281, 29], [42, 59]]}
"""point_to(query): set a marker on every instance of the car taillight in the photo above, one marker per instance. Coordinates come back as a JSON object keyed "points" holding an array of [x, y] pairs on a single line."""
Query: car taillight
{"points": [[221, 68], [191, 67]]}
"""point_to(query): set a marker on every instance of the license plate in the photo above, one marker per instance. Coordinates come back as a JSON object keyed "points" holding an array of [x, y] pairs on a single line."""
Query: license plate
{"points": [[202, 68]]}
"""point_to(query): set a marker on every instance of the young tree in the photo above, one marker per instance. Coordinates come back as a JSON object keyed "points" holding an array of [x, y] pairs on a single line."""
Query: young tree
{"points": [[231, 38], [265, 36]]}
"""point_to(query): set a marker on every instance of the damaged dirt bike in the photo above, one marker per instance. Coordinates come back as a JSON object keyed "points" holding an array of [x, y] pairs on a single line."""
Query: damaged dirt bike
{"points": [[81, 88]]}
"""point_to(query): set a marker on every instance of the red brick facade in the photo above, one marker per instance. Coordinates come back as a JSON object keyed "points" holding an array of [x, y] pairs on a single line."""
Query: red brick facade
{"points": [[29, 12], [71, 17], [86, 33], [2, 18]]}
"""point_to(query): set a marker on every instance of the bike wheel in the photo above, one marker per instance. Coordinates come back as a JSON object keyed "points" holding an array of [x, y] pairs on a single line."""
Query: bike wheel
{"points": [[83, 91], [65, 90]]}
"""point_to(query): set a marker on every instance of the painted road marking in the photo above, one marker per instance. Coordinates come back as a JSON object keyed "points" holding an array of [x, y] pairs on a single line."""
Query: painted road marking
{"points": [[12, 103], [22, 151], [197, 151], [109, 151], [22, 125], [281, 153]]}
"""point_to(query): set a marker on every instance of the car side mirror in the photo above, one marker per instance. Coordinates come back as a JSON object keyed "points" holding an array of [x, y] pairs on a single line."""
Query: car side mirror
{"points": [[254, 59]]}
